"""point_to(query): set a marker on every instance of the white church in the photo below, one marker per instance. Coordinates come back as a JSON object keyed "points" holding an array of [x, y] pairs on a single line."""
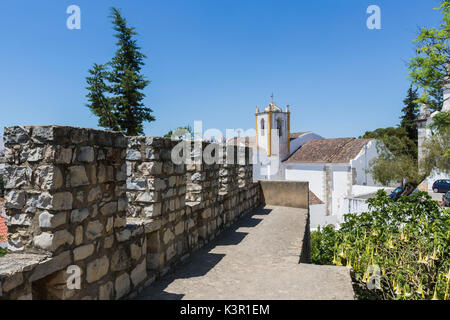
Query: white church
{"points": [[335, 168]]}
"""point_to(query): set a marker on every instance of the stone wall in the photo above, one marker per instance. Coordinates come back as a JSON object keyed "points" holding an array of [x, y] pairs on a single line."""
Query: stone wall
{"points": [[185, 205], [116, 208]]}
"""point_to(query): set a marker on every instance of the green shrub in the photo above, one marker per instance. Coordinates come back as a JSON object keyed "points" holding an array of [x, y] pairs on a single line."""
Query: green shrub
{"points": [[404, 244], [3, 252], [322, 245]]}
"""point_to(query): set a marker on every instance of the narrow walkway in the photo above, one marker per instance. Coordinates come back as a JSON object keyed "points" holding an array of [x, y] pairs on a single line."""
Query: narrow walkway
{"points": [[255, 259]]}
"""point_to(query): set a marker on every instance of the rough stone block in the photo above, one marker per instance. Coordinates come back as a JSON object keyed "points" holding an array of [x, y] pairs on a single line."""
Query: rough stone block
{"points": [[83, 252], [122, 285], [97, 269], [139, 274]]}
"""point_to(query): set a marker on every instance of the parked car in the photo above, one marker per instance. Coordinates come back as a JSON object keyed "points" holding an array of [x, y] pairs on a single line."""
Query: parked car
{"points": [[446, 199], [395, 192], [400, 189], [442, 185]]}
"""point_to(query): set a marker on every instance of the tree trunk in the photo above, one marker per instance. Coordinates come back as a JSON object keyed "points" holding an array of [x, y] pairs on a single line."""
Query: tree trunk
{"points": [[407, 190]]}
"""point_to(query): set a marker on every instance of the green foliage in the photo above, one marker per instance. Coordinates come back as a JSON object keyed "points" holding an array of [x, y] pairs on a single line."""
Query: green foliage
{"points": [[428, 70], [3, 252], [322, 245], [395, 140], [407, 241], [181, 132], [115, 88], [397, 156], [436, 152], [441, 122], [410, 113]]}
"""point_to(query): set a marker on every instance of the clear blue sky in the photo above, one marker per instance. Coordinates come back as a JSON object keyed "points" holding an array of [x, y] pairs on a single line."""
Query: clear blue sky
{"points": [[216, 60]]}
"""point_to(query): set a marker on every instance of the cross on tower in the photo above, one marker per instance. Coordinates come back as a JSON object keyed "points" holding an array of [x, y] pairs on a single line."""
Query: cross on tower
{"points": [[272, 97]]}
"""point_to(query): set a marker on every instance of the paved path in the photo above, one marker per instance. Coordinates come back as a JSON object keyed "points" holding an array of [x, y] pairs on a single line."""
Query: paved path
{"points": [[255, 259]]}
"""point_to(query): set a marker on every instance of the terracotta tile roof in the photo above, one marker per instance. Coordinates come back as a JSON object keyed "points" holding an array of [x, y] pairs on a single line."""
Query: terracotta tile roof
{"points": [[3, 230], [313, 199], [295, 135], [339, 150]]}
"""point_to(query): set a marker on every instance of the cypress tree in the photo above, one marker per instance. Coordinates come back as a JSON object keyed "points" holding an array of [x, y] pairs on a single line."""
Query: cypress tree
{"points": [[115, 89], [410, 113]]}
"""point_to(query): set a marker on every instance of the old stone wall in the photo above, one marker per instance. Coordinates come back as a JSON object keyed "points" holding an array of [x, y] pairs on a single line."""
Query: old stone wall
{"points": [[115, 208], [189, 203]]}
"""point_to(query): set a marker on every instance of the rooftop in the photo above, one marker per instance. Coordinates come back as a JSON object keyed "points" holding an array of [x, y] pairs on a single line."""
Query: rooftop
{"points": [[339, 150]]}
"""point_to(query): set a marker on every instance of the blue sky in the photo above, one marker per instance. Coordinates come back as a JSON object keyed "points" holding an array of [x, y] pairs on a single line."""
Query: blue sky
{"points": [[216, 60]]}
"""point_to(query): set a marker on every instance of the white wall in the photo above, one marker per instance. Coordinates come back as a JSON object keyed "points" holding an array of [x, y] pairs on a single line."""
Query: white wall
{"points": [[362, 162], [318, 217], [352, 205], [262, 139], [282, 139], [340, 186], [313, 173], [358, 190]]}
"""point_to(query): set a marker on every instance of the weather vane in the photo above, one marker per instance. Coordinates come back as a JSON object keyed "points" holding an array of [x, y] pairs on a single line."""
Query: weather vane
{"points": [[272, 97]]}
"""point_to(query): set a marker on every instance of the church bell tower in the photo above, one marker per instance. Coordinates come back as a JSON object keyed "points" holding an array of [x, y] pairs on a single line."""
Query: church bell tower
{"points": [[272, 130]]}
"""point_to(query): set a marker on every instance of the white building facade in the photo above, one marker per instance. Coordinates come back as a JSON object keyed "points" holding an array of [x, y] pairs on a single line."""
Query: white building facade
{"points": [[333, 167]]}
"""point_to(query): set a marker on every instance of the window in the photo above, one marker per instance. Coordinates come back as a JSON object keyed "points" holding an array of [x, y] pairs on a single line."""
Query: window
{"points": [[279, 127], [262, 127]]}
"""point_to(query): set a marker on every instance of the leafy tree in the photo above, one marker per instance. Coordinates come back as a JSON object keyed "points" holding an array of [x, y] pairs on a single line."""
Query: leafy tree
{"points": [[410, 113], [115, 88], [436, 152], [181, 132], [101, 105], [429, 72], [429, 69], [395, 140]]}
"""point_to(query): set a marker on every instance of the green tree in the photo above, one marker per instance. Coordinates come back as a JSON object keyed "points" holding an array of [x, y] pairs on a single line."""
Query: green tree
{"points": [[181, 132], [410, 113], [395, 140], [115, 88], [101, 105], [429, 71], [436, 152], [429, 68]]}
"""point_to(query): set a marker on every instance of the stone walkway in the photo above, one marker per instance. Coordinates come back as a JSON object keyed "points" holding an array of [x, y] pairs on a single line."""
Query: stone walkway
{"points": [[257, 258]]}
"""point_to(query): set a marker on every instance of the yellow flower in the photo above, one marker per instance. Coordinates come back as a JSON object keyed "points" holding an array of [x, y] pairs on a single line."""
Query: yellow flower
{"points": [[435, 297], [349, 265], [421, 260], [398, 290], [420, 291], [407, 293]]}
